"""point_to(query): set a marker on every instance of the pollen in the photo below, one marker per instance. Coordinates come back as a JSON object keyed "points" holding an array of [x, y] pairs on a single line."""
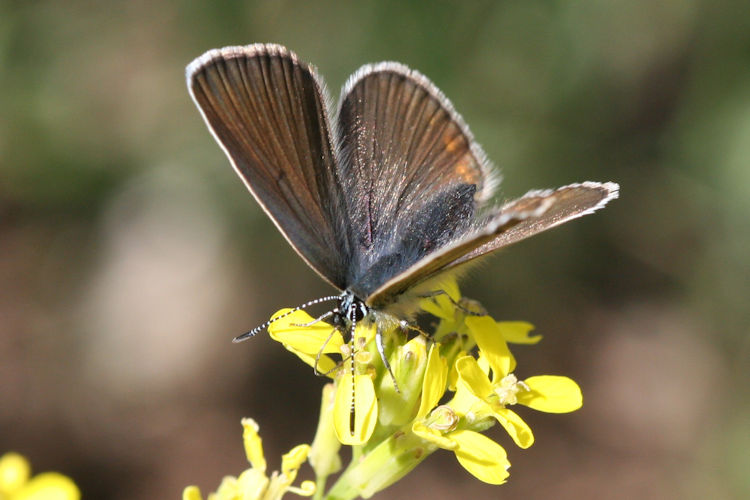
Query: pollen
{"points": [[508, 388]]}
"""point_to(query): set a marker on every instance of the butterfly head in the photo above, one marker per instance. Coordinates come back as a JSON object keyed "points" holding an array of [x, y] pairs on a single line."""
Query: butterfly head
{"points": [[349, 312]]}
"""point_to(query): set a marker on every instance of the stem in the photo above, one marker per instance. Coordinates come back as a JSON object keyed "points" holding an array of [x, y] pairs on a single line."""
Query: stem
{"points": [[384, 465], [356, 455], [320, 487]]}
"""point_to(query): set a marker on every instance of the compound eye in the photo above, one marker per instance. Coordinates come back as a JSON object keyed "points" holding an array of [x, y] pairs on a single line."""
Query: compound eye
{"points": [[358, 311]]}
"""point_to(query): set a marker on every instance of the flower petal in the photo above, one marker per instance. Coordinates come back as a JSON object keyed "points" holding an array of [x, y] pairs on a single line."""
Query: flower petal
{"points": [[552, 394], [434, 436], [464, 400], [253, 444], [293, 460], [251, 485], [441, 305], [437, 307], [191, 493], [471, 376], [365, 410], [366, 331], [229, 488], [435, 378], [325, 364], [49, 486], [408, 364], [306, 339], [448, 327], [489, 338], [14, 473], [324, 454], [518, 332], [482, 457], [514, 426]]}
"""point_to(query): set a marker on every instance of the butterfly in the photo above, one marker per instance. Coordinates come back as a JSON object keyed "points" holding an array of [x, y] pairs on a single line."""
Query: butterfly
{"points": [[382, 197]]}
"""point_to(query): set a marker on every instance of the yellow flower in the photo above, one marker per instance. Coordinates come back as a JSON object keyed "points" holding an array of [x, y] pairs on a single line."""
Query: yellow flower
{"points": [[553, 394], [253, 483], [393, 429], [442, 426], [312, 343], [16, 482]]}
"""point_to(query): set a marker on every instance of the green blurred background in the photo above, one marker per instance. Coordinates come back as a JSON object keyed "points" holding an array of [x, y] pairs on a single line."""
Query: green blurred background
{"points": [[131, 253]]}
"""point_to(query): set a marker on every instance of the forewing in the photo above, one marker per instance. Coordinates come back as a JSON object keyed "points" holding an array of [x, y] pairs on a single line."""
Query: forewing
{"points": [[403, 145], [533, 213], [268, 112]]}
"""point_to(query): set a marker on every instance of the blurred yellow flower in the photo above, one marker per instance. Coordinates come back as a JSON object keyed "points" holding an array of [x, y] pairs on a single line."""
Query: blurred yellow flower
{"points": [[16, 482]]}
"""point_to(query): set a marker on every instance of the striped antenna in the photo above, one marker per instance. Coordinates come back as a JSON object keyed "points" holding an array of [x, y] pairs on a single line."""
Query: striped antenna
{"points": [[257, 329]]}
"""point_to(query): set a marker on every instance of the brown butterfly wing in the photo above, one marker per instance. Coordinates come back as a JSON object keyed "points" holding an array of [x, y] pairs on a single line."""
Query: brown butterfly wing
{"points": [[403, 149], [268, 112]]}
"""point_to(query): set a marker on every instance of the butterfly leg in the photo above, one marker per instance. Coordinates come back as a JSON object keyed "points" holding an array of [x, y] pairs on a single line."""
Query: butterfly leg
{"points": [[381, 351], [320, 353], [458, 305], [317, 320], [405, 325], [338, 365]]}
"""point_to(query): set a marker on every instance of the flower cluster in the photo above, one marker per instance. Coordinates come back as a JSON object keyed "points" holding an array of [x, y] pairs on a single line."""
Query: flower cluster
{"points": [[253, 483], [449, 389]]}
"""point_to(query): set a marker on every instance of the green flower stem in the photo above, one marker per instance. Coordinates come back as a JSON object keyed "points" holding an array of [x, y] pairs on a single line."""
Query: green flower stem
{"points": [[320, 487], [384, 465], [356, 453]]}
